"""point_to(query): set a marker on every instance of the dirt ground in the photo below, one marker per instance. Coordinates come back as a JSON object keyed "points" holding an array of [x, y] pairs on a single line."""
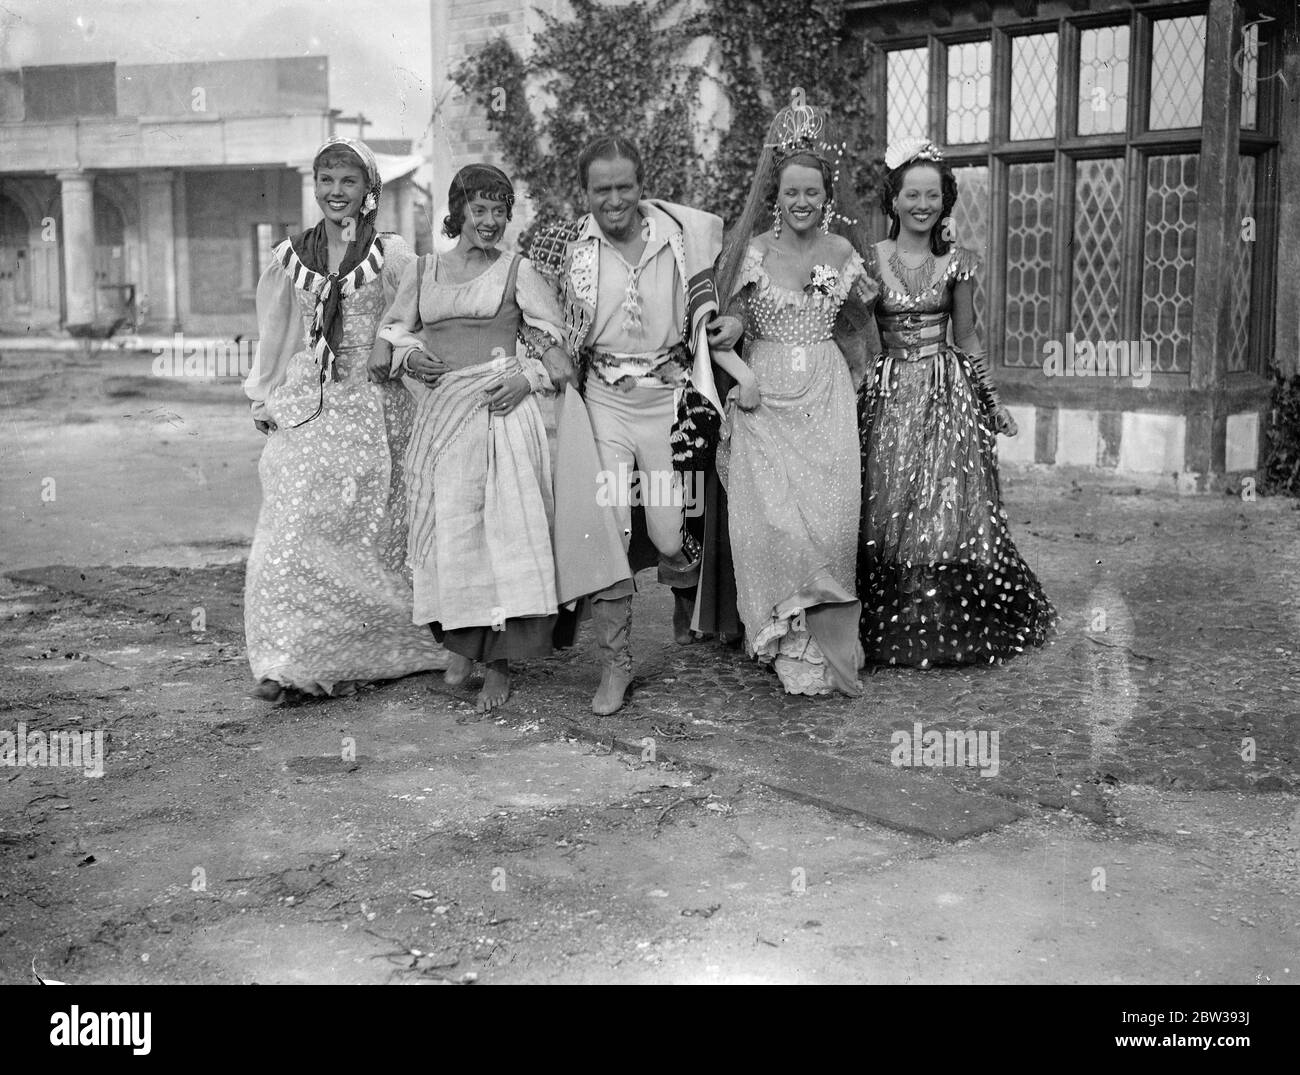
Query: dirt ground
{"points": [[398, 836]]}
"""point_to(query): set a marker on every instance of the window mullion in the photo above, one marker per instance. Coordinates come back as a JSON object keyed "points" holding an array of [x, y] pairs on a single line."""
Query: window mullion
{"points": [[1000, 99], [938, 92]]}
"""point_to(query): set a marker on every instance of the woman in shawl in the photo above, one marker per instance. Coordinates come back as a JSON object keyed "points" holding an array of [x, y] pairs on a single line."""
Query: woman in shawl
{"points": [[940, 579], [791, 466], [327, 600], [478, 468]]}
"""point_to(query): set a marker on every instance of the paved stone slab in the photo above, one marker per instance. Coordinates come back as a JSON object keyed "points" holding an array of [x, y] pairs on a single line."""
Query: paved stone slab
{"points": [[895, 798]]}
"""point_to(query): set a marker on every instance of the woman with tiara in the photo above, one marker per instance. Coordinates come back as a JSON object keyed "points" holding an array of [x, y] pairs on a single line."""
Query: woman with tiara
{"points": [[327, 599], [939, 577], [791, 466]]}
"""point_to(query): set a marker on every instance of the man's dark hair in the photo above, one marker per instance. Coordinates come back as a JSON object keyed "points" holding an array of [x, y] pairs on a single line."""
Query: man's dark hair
{"points": [[609, 147]]}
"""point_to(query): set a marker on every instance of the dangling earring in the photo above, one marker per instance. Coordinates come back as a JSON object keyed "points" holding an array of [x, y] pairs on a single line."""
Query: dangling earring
{"points": [[776, 221], [828, 212]]}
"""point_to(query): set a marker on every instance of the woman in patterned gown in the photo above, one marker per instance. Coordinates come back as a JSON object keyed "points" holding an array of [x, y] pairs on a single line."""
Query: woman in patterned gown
{"points": [[791, 466], [940, 579], [327, 599]]}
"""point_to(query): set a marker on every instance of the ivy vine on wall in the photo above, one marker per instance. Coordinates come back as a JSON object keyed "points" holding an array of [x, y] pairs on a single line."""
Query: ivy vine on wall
{"points": [[624, 69]]}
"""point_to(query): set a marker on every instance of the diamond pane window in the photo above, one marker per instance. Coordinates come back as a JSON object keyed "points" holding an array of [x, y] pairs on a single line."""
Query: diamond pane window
{"points": [[1177, 72], [970, 221], [1103, 79], [1169, 261], [1249, 64], [1030, 248], [970, 86], [1033, 86], [1241, 264], [1095, 297], [907, 83]]}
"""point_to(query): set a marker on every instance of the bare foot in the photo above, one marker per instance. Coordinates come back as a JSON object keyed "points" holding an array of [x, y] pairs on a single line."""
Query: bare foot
{"points": [[496, 687], [458, 671]]}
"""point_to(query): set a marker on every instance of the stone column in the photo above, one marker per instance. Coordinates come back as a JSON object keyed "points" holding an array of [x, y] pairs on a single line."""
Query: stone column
{"points": [[78, 245], [406, 209], [1217, 226], [310, 210], [157, 209]]}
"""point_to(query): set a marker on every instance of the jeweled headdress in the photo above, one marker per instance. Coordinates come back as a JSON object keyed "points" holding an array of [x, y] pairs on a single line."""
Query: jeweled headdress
{"points": [[797, 128]]}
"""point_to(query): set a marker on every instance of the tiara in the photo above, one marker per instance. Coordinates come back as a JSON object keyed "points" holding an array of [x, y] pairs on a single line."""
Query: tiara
{"points": [[797, 127], [911, 149]]}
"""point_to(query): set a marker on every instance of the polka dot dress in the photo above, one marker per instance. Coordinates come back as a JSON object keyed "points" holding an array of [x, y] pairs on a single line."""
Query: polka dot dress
{"points": [[791, 468], [940, 580]]}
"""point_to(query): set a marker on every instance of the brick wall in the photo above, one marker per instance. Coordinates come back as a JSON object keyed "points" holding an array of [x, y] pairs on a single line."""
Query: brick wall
{"points": [[471, 25]]}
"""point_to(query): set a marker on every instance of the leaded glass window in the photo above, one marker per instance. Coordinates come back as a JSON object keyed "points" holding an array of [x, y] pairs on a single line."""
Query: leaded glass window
{"points": [[1248, 62], [1177, 72], [1096, 295], [1033, 86], [970, 85], [1030, 250], [1242, 264], [907, 94], [970, 219], [1103, 79], [1169, 260]]}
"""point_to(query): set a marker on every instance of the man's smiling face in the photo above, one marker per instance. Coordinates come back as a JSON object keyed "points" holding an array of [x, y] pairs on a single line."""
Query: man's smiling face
{"points": [[612, 195]]}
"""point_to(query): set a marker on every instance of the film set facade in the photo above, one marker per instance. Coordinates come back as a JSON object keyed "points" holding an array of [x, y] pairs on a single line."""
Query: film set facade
{"points": [[148, 197]]}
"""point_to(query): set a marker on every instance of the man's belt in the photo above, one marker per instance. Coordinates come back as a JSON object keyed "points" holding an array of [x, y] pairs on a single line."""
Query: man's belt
{"points": [[672, 367]]}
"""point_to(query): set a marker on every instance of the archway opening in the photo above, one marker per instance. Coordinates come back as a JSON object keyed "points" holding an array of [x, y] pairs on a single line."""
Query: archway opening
{"points": [[15, 261]]}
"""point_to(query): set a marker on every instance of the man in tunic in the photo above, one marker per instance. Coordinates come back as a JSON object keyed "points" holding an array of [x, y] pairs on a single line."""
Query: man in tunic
{"points": [[635, 278]]}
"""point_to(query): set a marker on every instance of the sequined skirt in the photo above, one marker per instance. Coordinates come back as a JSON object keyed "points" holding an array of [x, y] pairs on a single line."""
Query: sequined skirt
{"points": [[941, 581]]}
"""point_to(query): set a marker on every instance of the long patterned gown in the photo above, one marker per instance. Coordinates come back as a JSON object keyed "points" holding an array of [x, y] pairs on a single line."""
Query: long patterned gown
{"points": [[327, 596], [940, 579], [791, 472]]}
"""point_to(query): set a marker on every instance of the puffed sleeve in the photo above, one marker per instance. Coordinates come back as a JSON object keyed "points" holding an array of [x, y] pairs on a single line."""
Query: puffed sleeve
{"points": [[397, 256], [537, 301], [541, 324], [398, 325], [279, 336]]}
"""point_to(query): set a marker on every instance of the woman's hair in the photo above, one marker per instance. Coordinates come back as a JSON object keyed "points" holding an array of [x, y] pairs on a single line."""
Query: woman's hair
{"points": [[804, 160], [338, 157], [476, 181], [948, 184], [607, 148]]}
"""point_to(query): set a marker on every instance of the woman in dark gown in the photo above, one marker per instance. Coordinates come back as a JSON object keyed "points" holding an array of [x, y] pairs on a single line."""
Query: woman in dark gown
{"points": [[940, 580]]}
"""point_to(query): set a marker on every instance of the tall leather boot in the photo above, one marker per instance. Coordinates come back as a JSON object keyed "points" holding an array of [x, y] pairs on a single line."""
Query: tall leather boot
{"points": [[612, 624]]}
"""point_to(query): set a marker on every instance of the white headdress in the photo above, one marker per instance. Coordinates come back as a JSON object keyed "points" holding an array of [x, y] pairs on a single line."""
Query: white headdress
{"points": [[906, 150]]}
